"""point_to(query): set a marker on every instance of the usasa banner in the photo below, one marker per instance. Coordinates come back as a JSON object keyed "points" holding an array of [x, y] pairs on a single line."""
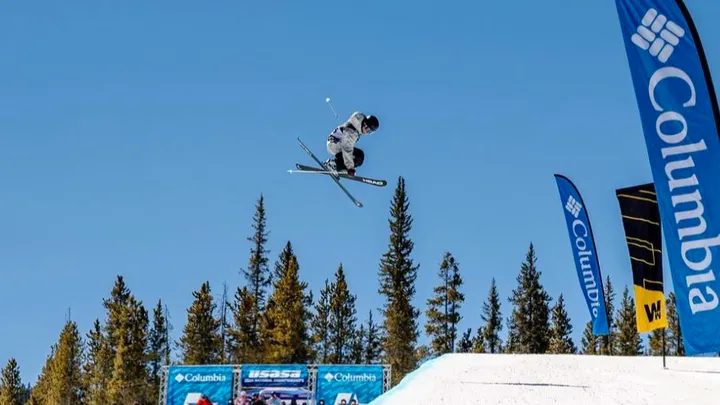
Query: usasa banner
{"points": [[360, 383], [641, 221], [271, 375], [584, 253], [679, 115], [186, 384]]}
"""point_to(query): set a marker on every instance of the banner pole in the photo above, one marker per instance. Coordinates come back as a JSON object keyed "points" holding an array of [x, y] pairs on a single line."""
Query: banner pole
{"points": [[663, 349]]}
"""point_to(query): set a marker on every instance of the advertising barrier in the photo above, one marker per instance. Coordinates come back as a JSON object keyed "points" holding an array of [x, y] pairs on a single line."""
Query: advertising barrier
{"points": [[360, 383], [186, 384]]}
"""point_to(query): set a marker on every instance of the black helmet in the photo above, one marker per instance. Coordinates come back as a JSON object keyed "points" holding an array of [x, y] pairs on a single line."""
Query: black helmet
{"points": [[372, 123]]}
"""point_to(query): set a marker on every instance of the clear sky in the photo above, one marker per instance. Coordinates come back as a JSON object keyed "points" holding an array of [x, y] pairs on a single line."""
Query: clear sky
{"points": [[136, 137]]}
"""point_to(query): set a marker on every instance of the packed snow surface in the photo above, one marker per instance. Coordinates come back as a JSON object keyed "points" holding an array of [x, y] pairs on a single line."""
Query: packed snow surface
{"points": [[559, 379]]}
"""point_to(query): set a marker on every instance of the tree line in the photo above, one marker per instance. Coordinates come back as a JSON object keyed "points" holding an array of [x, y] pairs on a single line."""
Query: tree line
{"points": [[274, 318]]}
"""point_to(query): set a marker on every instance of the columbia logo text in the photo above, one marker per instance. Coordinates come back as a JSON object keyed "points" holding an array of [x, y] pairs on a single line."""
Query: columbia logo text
{"points": [[350, 377], [200, 378], [658, 35]]}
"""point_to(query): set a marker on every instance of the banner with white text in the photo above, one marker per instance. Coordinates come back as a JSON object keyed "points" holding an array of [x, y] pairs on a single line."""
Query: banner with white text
{"points": [[584, 253], [680, 120]]}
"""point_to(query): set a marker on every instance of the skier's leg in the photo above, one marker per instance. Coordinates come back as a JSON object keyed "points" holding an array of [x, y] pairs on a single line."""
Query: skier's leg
{"points": [[358, 157], [334, 149], [339, 162]]}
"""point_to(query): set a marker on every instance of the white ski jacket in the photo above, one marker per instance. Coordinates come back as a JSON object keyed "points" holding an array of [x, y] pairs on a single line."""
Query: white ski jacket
{"points": [[343, 138]]}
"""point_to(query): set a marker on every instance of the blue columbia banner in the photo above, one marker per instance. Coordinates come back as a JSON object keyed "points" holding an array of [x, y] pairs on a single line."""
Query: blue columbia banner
{"points": [[584, 253], [680, 119], [186, 384], [259, 375], [361, 383]]}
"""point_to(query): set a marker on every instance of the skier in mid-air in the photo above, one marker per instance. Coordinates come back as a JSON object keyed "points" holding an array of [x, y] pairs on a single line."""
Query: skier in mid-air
{"points": [[341, 142]]}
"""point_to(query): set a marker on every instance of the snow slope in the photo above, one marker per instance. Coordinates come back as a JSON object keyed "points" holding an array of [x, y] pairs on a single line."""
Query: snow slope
{"points": [[559, 379]]}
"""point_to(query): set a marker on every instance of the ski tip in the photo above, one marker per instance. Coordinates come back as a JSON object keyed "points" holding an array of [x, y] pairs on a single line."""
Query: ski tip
{"points": [[358, 204]]}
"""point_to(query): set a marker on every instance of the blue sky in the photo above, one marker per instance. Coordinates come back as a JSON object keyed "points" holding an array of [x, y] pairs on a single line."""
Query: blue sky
{"points": [[135, 139]]}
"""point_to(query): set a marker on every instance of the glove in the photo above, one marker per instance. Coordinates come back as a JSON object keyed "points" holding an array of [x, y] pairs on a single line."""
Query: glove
{"points": [[351, 172]]}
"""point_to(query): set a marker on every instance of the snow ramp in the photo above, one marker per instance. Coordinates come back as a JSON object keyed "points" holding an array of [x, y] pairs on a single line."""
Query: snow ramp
{"points": [[558, 379]]}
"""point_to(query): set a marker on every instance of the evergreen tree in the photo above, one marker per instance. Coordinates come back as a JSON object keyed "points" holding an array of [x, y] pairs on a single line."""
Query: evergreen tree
{"points": [[243, 341], [590, 342], [158, 347], [342, 319], [676, 346], [286, 334], [465, 345], [627, 339], [200, 342], [129, 380], [115, 306], [561, 330], [478, 343], [97, 367], [443, 312], [397, 284], [11, 388], [655, 342], [60, 381], [373, 342], [493, 320], [529, 322], [320, 325], [258, 274], [607, 342], [357, 346], [39, 392]]}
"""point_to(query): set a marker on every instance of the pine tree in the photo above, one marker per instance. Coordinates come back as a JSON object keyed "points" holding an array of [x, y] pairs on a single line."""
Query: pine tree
{"points": [[676, 346], [200, 342], [357, 346], [285, 333], [655, 342], [243, 340], [320, 325], [397, 284], [493, 320], [529, 322], [60, 381], [129, 380], [258, 274], [561, 330], [465, 345], [341, 327], [443, 312], [478, 343], [11, 387], [97, 367], [373, 342], [158, 347], [627, 339], [590, 342], [607, 342], [115, 306]]}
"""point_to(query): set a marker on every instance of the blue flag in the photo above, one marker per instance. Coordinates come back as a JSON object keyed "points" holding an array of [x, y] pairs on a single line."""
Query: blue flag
{"points": [[680, 119], [584, 252]]}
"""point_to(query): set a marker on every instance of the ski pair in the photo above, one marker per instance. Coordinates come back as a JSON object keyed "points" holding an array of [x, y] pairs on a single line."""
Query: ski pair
{"points": [[312, 169], [336, 176]]}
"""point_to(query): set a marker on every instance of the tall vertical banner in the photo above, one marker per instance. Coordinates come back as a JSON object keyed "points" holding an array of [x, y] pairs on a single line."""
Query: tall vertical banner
{"points": [[584, 252], [186, 384], [641, 221], [681, 123]]}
